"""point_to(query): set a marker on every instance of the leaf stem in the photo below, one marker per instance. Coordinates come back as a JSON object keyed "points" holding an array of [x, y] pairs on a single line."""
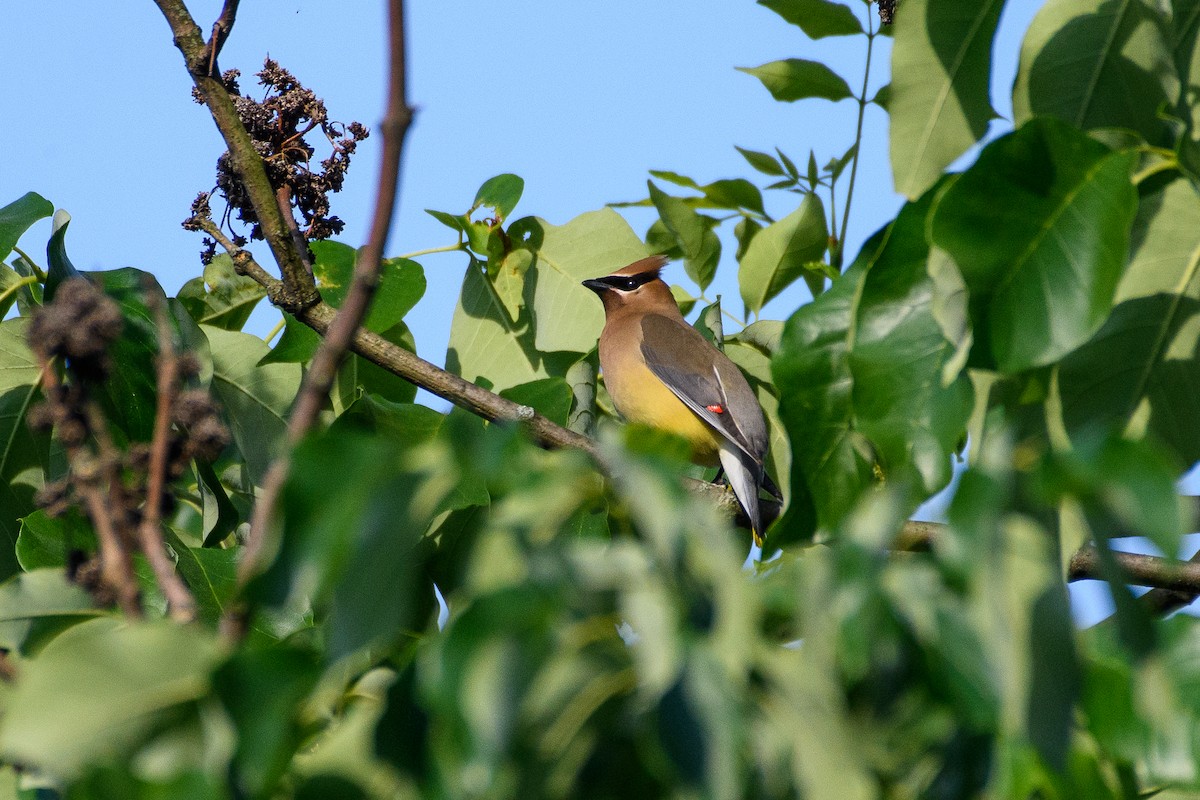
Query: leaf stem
{"points": [[38, 272], [449, 248], [275, 331], [836, 258], [15, 287]]}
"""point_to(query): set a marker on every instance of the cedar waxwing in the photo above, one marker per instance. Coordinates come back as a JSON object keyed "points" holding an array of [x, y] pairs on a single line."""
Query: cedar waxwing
{"points": [[662, 372]]}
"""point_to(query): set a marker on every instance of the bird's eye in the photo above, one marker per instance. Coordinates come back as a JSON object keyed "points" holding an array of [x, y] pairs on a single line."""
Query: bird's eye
{"points": [[629, 284]]}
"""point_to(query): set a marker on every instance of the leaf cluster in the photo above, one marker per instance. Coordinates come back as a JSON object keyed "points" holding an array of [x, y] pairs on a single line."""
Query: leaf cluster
{"points": [[444, 609]]}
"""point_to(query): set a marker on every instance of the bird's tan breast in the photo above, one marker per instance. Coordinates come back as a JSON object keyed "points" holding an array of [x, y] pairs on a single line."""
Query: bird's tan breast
{"points": [[641, 397]]}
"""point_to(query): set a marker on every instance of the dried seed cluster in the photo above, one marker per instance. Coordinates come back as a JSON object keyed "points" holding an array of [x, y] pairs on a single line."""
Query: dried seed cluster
{"points": [[278, 125], [78, 327], [887, 11]]}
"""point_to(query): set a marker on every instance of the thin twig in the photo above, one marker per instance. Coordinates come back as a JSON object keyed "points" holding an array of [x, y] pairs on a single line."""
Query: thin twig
{"points": [[862, 108], [220, 34], [116, 565], [283, 198], [180, 603], [340, 333]]}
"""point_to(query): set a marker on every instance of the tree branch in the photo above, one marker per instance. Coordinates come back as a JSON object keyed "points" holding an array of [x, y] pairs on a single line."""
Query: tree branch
{"points": [[180, 603], [298, 290], [1178, 579]]}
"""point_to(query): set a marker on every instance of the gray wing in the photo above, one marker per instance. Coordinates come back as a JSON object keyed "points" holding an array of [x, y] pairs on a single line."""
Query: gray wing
{"points": [[701, 376]]}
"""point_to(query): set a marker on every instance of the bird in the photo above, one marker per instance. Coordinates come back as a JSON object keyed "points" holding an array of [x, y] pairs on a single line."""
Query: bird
{"points": [[661, 372]]}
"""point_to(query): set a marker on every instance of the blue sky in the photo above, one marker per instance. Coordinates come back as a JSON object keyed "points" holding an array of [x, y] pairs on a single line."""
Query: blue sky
{"points": [[581, 100]]}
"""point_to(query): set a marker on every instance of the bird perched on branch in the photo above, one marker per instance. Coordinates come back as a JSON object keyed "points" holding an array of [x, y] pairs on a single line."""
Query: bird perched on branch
{"points": [[660, 371]]}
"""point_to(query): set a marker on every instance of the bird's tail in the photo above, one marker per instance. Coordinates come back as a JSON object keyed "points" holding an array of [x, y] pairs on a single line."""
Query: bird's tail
{"points": [[745, 476]]}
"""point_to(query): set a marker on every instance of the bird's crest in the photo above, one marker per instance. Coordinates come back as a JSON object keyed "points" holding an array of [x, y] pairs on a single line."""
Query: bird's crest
{"points": [[652, 264]]}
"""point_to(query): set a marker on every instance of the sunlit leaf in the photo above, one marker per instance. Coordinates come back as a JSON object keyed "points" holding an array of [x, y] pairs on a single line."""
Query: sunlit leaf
{"points": [[799, 79], [96, 691], [256, 399], [1139, 371], [1098, 64], [1039, 227], [817, 18], [938, 99], [18, 216], [779, 253]]}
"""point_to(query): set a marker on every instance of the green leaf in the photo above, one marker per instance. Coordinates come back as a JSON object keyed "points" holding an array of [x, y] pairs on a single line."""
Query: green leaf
{"points": [[256, 399], [500, 193], [550, 397], [401, 283], [1139, 371], [728, 193], [10, 284], [1126, 486], [24, 454], [262, 690], [369, 534], [709, 323], [510, 281], [222, 298], [485, 344], [48, 541], [832, 462], [98, 690], [778, 254], [799, 79], [692, 232], [386, 419], [883, 97], [1098, 64], [220, 515], [939, 101], [43, 593], [359, 373], [297, 344], [18, 216], [566, 315], [210, 572], [1039, 226], [455, 222], [904, 401], [817, 18], [560, 318], [129, 395], [763, 162], [60, 266]]}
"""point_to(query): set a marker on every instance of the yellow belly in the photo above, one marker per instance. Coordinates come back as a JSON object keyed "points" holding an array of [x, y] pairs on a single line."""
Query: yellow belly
{"points": [[641, 397]]}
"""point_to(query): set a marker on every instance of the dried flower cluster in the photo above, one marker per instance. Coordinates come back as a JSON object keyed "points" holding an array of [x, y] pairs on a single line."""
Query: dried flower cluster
{"points": [[278, 125], [887, 11], [77, 328]]}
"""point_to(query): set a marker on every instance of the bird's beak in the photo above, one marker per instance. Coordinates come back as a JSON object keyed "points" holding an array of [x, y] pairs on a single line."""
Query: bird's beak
{"points": [[597, 286]]}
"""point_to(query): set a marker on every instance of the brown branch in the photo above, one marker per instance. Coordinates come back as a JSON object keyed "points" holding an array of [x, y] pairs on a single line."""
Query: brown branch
{"points": [[1179, 579], [1167, 599], [180, 603], [116, 565], [298, 290]]}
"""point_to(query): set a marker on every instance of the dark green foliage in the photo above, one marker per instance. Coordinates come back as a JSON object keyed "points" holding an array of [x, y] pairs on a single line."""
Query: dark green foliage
{"points": [[1027, 326]]}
